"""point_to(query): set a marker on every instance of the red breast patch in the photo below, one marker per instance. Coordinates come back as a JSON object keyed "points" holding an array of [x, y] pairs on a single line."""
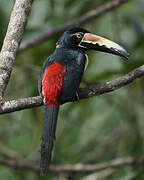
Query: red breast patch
{"points": [[52, 83]]}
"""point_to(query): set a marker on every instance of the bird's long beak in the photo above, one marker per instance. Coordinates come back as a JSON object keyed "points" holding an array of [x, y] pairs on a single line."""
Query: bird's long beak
{"points": [[91, 41]]}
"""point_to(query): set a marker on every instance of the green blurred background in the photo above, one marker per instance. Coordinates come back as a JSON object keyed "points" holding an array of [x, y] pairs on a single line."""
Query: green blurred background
{"points": [[94, 130]]}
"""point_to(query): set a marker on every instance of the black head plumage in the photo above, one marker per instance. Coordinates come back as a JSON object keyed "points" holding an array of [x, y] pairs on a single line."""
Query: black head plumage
{"points": [[72, 37]]}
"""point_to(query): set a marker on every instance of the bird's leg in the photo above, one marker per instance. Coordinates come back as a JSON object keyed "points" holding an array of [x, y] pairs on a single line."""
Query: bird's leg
{"points": [[77, 96]]}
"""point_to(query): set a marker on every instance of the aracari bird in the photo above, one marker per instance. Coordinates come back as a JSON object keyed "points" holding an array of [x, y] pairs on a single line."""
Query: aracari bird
{"points": [[61, 76]]}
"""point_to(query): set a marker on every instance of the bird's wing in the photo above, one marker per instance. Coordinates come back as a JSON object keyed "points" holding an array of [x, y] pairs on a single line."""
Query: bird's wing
{"points": [[71, 82]]}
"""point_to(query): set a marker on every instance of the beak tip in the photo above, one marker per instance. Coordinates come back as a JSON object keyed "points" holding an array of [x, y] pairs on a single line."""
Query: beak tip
{"points": [[125, 55], [120, 52]]}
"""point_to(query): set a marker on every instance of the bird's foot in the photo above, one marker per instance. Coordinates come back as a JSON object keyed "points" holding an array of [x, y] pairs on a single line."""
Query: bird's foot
{"points": [[77, 96]]}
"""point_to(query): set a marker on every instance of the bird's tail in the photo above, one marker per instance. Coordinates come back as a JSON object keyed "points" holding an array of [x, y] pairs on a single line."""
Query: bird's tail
{"points": [[48, 136]]}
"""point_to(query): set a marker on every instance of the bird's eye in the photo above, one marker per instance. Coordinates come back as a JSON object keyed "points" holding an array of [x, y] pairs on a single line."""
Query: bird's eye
{"points": [[79, 35]]}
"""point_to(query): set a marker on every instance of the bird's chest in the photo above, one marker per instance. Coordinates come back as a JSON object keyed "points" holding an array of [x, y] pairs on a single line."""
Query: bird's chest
{"points": [[75, 64], [74, 70]]}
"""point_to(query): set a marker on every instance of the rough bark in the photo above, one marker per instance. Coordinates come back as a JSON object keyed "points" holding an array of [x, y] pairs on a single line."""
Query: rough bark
{"points": [[12, 40]]}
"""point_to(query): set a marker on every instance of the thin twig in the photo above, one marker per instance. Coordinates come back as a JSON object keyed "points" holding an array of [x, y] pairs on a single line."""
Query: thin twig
{"points": [[79, 21], [83, 168], [92, 90], [12, 40]]}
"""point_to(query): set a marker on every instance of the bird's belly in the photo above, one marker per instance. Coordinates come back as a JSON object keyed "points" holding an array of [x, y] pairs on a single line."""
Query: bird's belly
{"points": [[72, 80]]}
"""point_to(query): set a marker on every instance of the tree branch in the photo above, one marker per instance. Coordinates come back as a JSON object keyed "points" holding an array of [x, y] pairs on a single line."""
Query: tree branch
{"points": [[83, 168], [92, 90], [12, 39], [20, 104], [83, 19]]}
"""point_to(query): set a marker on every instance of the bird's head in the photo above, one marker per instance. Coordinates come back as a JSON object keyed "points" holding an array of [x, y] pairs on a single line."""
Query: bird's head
{"points": [[79, 38]]}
